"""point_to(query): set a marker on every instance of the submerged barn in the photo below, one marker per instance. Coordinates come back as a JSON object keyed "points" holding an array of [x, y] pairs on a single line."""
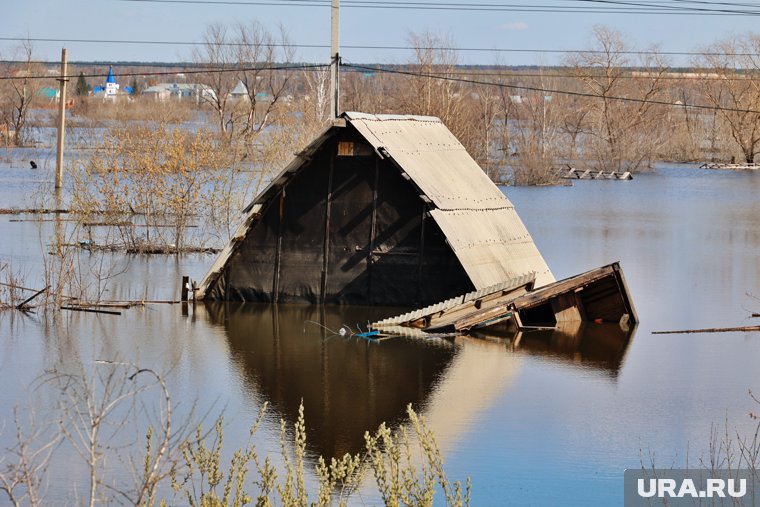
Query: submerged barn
{"points": [[381, 210]]}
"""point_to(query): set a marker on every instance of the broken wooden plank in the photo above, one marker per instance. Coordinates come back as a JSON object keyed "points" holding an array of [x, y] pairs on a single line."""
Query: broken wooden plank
{"points": [[30, 298], [712, 330], [599, 295], [90, 310], [542, 294]]}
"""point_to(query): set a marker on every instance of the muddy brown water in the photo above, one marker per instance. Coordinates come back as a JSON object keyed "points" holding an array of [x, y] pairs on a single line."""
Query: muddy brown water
{"points": [[553, 422]]}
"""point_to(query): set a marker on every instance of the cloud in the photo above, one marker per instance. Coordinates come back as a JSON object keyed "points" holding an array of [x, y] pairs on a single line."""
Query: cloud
{"points": [[516, 25]]}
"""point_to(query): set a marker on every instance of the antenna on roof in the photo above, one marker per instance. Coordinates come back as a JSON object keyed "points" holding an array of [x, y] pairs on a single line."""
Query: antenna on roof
{"points": [[335, 60]]}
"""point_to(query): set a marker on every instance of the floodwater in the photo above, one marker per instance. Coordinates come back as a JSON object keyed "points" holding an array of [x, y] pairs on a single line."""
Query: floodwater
{"points": [[554, 421]]}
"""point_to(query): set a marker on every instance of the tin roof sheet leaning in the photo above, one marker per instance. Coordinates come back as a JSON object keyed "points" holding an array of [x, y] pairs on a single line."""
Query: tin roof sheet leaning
{"points": [[480, 223]]}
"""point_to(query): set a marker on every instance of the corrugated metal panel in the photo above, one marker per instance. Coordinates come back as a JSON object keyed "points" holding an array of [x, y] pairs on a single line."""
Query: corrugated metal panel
{"points": [[436, 161], [480, 223], [455, 301], [492, 245]]}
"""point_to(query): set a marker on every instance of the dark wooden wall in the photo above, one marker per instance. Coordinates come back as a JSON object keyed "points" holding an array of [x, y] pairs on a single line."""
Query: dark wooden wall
{"points": [[347, 229]]}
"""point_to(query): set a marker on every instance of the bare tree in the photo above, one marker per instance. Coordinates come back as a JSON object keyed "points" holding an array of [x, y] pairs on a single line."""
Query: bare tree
{"points": [[244, 58], [96, 408], [18, 92], [431, 90], [485, 110], [537, 136], [257, 52], [731, 85], [218, 57], [317, 84], [620, 136], [24, 466]]}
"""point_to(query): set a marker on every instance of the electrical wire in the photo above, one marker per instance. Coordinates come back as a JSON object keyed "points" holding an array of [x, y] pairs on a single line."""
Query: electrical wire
{"points": [[551, 90], [208, 70], [621, 7], [190, 68], [376, 47]]}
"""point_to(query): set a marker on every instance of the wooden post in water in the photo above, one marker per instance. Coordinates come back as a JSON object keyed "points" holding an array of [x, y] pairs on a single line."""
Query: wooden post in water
{"points": [[185, 288], [61, 122]]}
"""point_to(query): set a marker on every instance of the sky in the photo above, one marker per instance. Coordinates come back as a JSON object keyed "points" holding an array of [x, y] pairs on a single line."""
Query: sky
{"points": [[307, 22]]}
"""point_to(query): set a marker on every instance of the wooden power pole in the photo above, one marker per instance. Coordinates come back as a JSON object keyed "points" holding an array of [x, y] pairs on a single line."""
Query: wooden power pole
{"points": [[335, 60], [61, 122]]}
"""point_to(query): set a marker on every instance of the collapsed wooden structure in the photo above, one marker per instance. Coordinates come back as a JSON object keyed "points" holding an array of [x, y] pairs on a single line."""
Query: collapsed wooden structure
{"points": [[600, 296], [381, 210]]}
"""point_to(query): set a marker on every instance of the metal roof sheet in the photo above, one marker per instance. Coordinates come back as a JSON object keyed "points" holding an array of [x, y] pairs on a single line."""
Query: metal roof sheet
{"points": [[492, 245], [435, 160]]}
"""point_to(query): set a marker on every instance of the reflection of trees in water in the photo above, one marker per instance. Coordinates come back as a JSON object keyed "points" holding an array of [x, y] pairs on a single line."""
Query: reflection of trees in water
{"points": [[348, 385]]}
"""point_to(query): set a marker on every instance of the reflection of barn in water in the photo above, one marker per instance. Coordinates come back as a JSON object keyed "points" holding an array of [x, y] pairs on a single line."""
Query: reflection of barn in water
{"points": [[350, 385], [591, 346], [387, 210]]}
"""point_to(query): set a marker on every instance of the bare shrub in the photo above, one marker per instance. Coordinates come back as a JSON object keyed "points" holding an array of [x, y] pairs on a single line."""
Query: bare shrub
{"points": [[730, 84], [97, 112], [24, 466], [164, 177], [622, 134], [18, 92]]}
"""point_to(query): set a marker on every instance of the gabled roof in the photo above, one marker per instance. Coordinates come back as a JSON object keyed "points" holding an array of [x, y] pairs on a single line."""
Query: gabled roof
{"points": [[479, 222], [240, 89]]}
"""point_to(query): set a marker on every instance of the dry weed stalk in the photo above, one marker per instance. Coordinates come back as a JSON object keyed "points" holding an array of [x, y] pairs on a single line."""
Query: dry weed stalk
{"points": [[95, 416], [24, 467], [400, 480], [149, 183], [95, 411]]}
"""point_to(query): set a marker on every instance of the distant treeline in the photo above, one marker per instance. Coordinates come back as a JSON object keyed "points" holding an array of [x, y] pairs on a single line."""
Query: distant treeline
{"points": [[610, 107]]}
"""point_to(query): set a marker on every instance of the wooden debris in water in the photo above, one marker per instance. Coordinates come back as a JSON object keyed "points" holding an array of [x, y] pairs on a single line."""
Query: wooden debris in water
{"points": [[730, 167], [571, 173], [24, 303], [35, 211], [600, 296], [712, 330], [90, 310]]}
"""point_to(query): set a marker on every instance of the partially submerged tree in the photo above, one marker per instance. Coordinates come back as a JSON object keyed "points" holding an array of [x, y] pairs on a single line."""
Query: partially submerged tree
{"points": [[537, 137], [430, 90], [247, 76], [621, 109], [18, 91], [731, 85]]}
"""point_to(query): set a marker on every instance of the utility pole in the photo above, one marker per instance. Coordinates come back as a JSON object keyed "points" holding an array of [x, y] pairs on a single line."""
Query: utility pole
{"points": [[335, 61], [61, 122]]}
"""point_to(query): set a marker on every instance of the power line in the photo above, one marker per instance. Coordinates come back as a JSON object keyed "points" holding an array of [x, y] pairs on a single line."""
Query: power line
{"points": [[628, 7], [181, 68], [550, 90], [207, 70], [379, 47]]}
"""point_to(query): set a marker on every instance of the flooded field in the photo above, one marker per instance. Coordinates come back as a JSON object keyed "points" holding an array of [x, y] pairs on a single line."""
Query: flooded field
{"points": [[554, 421]]}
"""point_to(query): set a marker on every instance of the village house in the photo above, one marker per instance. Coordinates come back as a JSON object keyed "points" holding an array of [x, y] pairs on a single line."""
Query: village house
{"points": [[180, 91]]}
